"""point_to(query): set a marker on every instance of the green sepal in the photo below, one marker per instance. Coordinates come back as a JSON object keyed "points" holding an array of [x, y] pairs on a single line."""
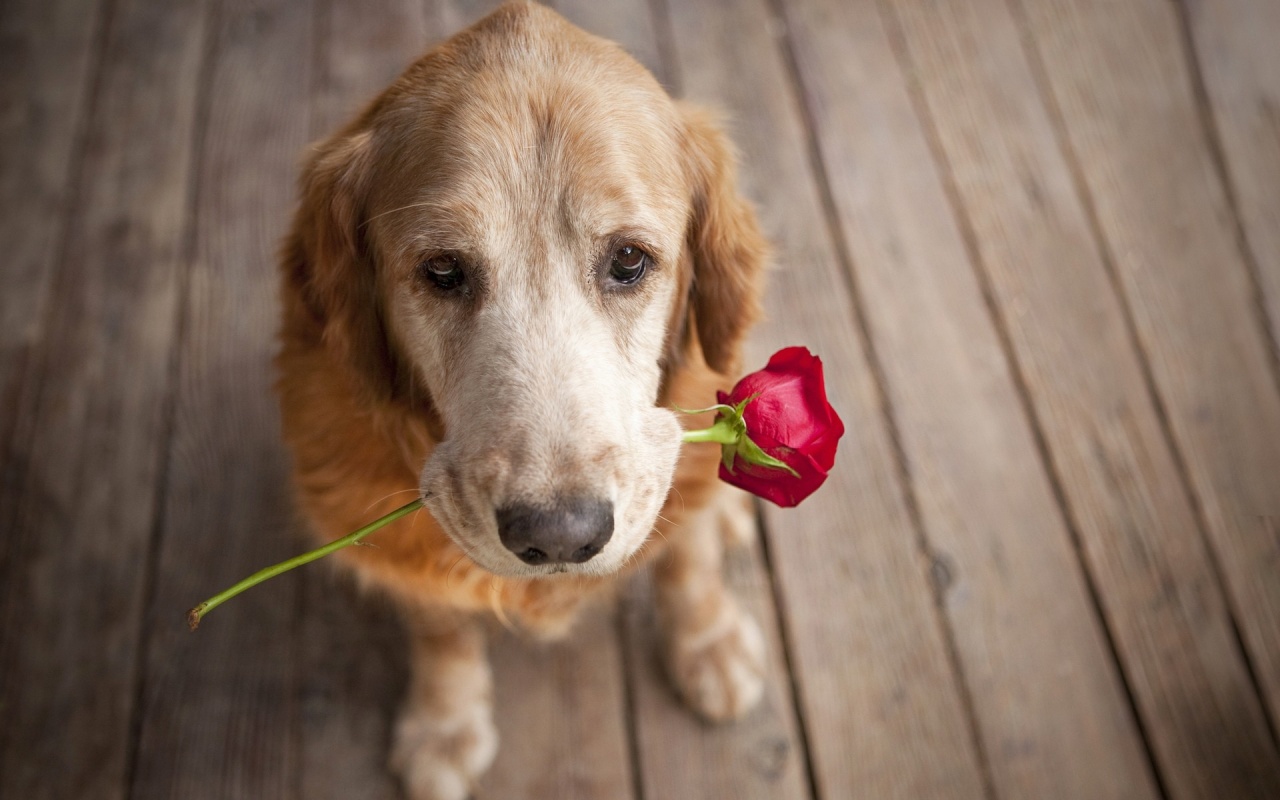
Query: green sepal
{"points": [[726, 457], [730, 430], [752, 454]]}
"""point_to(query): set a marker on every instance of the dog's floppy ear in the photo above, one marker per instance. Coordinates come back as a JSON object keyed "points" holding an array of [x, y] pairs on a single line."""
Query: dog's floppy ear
{"points": [[725, 243], [331, 268]]}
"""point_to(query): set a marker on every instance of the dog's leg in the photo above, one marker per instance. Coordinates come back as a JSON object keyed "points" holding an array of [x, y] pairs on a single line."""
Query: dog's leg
{"points": [[737, 517], [445, 738], [714, 650]]}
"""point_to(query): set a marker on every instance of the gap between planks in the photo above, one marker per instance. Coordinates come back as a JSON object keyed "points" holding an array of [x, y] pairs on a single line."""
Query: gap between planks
{"points": [[929, 557], [969, 238], [150, 568], [1039, 70]]}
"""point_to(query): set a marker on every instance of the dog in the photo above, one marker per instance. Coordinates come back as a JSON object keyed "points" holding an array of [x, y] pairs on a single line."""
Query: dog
{"points": [[501, 277]]}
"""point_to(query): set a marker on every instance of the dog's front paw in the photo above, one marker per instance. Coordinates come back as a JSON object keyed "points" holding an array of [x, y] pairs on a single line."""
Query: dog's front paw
{"points": [[442, 758], [720, 669]]}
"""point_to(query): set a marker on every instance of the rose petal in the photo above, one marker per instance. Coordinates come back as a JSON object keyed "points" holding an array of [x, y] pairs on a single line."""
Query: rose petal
{"points": [[776, 485], [788, 417]]}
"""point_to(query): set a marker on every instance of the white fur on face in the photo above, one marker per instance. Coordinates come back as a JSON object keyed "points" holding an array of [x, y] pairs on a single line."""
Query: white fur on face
{"points": [[545, 374]]}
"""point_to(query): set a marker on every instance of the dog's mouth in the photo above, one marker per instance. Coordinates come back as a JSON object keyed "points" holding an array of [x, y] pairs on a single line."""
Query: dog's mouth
{"points": [[481, 541], [544, 523]]}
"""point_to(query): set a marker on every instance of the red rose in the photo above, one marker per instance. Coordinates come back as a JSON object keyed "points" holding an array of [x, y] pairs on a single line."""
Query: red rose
{"points": [[788, 417], [776, 430]]}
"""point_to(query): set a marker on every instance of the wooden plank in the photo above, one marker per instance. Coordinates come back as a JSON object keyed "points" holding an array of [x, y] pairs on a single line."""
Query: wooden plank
{"points": [[79, 497], [450, 16], [49, 51], [354, 657], [1239, 64], [880, 702], [760, 756], [221, 716], [630, 23], [354, 667], [984, 497], [561, 714], [1141, 538], [1118, 76], [364, 45]]}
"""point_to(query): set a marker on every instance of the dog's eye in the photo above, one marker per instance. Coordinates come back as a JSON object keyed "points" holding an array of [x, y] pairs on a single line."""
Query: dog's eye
{"points": [[628, 264], [443, 272]]}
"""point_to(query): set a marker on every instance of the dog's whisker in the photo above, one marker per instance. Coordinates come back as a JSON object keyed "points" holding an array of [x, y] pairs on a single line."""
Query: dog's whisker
{"points": [[369, 507], [413, 519], [495, 600], [635, 555]]}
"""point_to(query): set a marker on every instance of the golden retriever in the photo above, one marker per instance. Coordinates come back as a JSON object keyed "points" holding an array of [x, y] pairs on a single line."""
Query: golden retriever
{"points": [[501, 277]]}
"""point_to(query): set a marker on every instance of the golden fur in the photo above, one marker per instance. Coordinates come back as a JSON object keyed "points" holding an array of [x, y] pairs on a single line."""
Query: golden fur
{"points": [[378, 378]]}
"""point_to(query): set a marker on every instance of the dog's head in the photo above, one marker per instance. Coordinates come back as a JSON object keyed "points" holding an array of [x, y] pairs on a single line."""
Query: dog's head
{"points": [[525, 235]]}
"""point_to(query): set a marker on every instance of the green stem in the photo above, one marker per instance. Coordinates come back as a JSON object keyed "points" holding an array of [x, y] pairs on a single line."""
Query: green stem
{"points": [[196, 614], [718, 433], [721, 433]]}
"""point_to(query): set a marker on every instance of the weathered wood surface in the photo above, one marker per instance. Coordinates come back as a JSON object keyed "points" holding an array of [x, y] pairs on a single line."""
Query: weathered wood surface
{"points": [[986, 503], [1119, 78], [82, 479], [220, 710], [634, 24], [1034, 242], [760, 756], [1239, 71], [1081, 369], [48, 60], [880, 701], [561, 711], [1235, 41]]}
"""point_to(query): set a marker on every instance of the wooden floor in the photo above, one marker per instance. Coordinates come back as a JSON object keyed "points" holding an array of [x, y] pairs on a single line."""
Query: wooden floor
{"points": [[1037, 243]]}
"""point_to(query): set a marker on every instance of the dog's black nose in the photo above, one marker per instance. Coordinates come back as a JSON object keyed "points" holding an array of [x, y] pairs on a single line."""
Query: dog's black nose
{"points": [[570, 531]]}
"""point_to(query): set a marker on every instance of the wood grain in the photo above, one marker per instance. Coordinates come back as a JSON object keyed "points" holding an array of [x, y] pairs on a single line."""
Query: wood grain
{"points": [[1239, 65], [450, 16], [984, 496], [49, 54], [353, 665], [759, 756], [1057, 167], [561, 715], [1142, 541], [79, 495], [630, 23], [881, 705], [363, 45], [221, 706], [1124, 93]]}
